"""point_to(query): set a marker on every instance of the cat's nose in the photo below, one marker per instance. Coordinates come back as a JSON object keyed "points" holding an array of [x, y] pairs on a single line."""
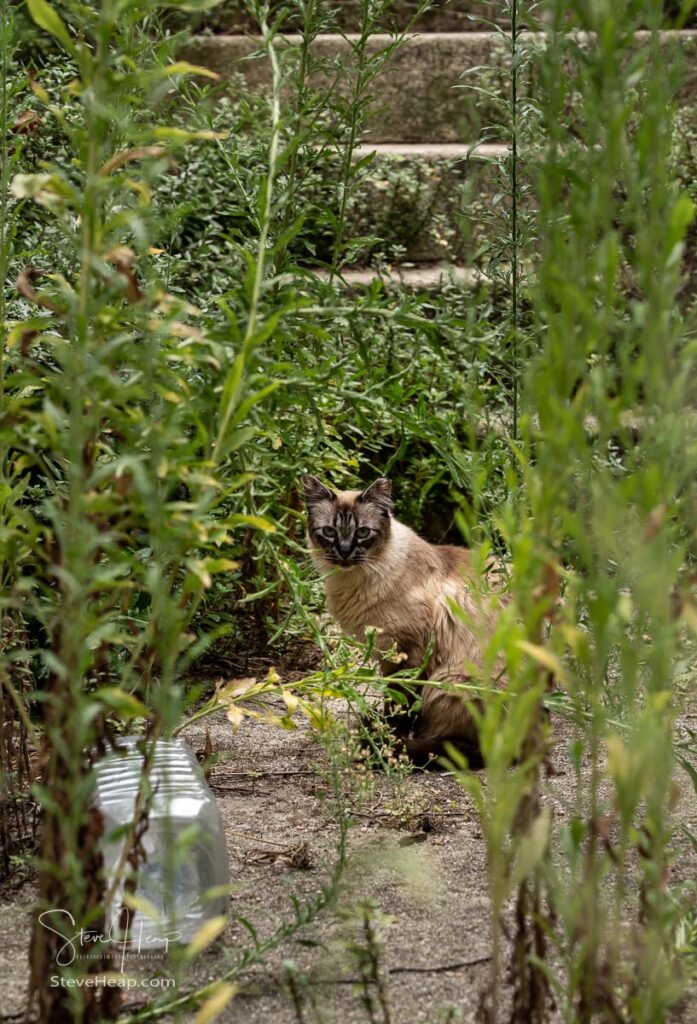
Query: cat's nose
{"points": [[344, 551]]}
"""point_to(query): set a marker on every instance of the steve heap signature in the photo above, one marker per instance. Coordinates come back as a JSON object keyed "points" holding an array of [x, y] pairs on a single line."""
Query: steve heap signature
{"points": [[119, 934]]}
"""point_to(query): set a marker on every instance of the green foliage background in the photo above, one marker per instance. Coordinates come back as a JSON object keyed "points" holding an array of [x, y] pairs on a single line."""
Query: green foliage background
{"points": [[172, 363]]}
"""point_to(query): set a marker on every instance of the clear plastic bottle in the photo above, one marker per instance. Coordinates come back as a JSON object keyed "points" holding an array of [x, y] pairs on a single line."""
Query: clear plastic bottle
{"points": [[186, 855]]}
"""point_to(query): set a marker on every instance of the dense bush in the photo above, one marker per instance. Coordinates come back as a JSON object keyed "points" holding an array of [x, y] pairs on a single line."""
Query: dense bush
{"points": [[172, 364]]}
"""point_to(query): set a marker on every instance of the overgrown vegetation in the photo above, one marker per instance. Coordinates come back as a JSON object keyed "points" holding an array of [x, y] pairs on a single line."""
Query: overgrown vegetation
{"points": [[172, 362]]}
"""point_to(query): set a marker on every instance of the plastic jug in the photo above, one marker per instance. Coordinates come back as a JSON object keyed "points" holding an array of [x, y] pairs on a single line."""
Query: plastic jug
{"points": [[186, 854]]}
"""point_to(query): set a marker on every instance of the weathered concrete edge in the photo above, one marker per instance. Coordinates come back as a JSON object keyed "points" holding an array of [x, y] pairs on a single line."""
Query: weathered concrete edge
{"points": [[434, 89], [428, 277]]}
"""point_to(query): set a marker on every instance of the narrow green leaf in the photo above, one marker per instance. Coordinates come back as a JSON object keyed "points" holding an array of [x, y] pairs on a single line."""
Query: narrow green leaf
{"points": [[45, 17], [258, 522], [124, 704]]}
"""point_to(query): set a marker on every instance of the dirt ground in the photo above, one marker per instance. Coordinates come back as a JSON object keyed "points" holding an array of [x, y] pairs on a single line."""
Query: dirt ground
{"points": [[416, 849]]}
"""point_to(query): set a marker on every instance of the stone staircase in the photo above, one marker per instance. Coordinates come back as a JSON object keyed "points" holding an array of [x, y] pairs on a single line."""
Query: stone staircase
{"points": [[428, 188]]}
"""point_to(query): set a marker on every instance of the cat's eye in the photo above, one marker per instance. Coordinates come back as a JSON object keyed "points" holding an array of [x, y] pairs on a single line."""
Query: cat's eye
{"points": [[328, 531], [362, 532]]}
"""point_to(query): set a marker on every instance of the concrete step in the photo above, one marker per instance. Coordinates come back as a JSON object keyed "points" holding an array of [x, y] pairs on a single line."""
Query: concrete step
{"points": [[426, 277], [432, 150], [417, 101], [443, 16], [418, 98], [425, 202], [414, 203]]}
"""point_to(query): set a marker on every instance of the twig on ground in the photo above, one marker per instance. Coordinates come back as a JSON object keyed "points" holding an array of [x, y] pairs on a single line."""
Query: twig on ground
{"points": [[439, 969]]}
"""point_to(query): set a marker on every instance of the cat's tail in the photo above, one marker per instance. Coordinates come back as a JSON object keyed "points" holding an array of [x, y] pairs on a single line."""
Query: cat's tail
{"points": [[445, 720]]}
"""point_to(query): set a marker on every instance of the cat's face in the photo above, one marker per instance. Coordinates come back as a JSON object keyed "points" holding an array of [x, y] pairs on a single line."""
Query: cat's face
{"points": [[348, 527]]}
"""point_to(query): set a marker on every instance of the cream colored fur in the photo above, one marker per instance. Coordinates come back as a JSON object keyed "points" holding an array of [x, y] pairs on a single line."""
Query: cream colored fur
{"points": [[406, 590]]}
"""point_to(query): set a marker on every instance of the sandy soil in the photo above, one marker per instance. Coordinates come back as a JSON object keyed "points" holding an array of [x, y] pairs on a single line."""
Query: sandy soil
{"points": [[415, 849]]}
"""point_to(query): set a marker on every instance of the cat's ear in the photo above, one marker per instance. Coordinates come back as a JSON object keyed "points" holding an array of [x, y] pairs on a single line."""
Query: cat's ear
{"points": [[314, 490], [380, 494]]}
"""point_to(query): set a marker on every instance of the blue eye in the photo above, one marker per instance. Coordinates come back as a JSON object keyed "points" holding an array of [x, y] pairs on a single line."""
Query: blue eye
{"points": [[328, 531], [362, 532]]}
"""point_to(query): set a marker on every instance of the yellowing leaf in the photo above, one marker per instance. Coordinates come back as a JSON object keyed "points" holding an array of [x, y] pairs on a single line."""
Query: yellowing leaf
{"points": [[170, 134], [234, 688], [290, 699], [39, 91], [204, 568], [198, 568], [689, 614], [20, 330], [618, 758], [143, 906], [267, 718], [272, 676], [660, 701], [182, 330], [220, 564], [531, 848], [209, 136], [124, 704], [127, 155], [258, 522], [45, 189], [543, 656], [573, 636], [198, 5], [45, 17], [207, 933], [183, 67], [166, 302], [215, 892], [235, 716], [144, 193], [216, 1002]]}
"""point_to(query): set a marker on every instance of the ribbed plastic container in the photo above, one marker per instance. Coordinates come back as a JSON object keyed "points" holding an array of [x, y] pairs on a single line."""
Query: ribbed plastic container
{"points": [[175, 878]]}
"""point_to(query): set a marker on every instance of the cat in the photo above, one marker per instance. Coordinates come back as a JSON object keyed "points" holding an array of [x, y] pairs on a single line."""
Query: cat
{"points": [[378, 572]]}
